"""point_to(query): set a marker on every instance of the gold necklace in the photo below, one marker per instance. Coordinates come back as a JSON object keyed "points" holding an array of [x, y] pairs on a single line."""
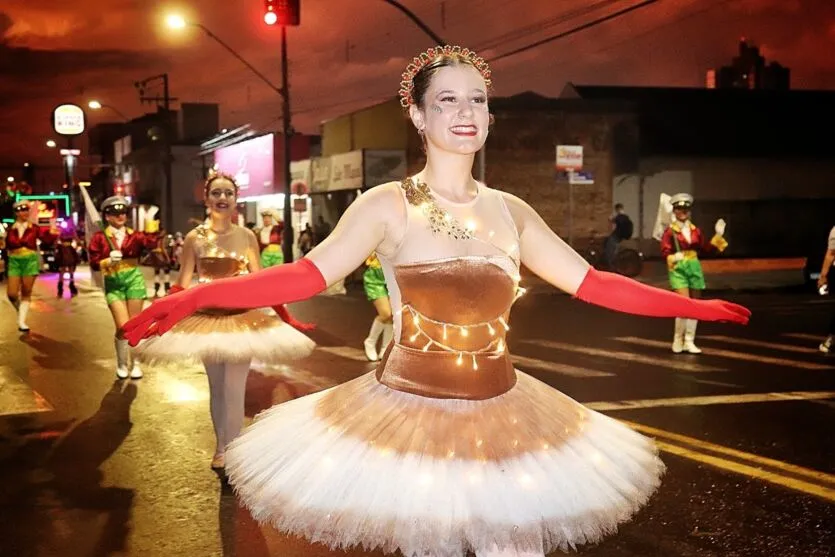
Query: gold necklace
{"points": [[440, 221]]}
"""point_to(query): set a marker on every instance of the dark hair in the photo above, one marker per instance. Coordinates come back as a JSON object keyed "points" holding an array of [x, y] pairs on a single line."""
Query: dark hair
{"points": [[215, 177], [422, 79], [618, 206]]}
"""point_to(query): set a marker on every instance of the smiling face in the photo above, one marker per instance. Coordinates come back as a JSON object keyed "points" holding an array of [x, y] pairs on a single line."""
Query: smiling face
{"points": [[116, 217], [682, 212], [453, 113], [22, 213], [221, 198]]}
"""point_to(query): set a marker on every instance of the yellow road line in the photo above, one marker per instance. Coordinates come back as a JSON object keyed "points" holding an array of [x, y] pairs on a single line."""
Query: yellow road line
{"points": [[750, 471], [708, 400], [751, 458]]}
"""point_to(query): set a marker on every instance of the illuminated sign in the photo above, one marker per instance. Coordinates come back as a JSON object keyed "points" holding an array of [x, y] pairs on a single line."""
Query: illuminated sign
{"points": [[569, 157], [68, 119], [51, 203]]}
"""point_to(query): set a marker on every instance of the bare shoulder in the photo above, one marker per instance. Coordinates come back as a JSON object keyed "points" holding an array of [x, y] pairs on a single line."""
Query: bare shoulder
{"points": [[383, 202]]}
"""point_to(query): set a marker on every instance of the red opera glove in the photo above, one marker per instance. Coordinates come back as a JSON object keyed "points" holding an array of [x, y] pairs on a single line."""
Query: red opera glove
{"points": [[288, 318], [277, 285], [619, 293]]}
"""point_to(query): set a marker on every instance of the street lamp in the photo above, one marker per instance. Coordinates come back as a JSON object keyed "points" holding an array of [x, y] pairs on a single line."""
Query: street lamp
{"points": [[175, 21], [51, 143], [96, 105], [10, 179]]}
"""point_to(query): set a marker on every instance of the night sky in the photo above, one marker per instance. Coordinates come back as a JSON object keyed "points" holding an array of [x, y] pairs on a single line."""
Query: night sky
{"points": [[350, 53]]}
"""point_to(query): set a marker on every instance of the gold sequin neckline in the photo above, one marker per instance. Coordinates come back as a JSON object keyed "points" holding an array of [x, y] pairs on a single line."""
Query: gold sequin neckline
{"points": [[440, 221]]}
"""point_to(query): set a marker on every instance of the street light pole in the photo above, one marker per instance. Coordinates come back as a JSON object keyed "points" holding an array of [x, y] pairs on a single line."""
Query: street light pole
{"points": [[287, 240], [167, 154]]}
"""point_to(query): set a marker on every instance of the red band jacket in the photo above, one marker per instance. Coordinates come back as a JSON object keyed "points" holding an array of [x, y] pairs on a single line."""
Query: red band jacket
{"points": [[131, 248], [29, 238], [275, 236], [698, 241]]}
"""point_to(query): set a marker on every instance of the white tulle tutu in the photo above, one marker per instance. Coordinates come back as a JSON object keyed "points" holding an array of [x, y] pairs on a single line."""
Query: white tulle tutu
{"points": [[362, 464], [227, 337]]}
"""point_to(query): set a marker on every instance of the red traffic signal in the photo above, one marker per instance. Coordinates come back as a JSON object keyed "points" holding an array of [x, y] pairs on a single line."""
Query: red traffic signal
{"points": [[281, 12]]}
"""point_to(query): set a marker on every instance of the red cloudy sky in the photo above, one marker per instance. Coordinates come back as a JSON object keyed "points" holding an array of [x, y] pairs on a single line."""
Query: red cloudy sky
{"points": [[349, 53]]}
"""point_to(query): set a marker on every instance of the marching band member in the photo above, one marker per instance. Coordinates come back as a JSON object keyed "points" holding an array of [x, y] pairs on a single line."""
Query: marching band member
{"points": [[24, 262], [269, 239], [374, 283], [681, 245], [115, 251]]}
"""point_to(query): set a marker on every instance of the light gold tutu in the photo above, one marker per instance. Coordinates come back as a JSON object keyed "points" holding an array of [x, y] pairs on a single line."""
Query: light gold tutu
{"points": [[224, 336]]}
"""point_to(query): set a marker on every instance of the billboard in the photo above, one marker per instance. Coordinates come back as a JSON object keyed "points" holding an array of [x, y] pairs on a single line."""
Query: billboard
{"points": [[251, 163]]}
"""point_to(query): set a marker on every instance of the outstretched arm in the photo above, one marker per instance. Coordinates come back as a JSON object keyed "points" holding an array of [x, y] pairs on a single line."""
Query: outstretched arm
{"points": [[544, 253], [370, 221]]}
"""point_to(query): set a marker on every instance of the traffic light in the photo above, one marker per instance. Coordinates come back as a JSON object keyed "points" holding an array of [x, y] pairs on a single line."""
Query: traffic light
{"points": [[282, 12]]}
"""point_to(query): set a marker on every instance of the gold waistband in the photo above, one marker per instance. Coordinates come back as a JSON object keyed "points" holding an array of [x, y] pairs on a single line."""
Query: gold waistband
{"points": [[690, 254], [436, 374], [22, 251], [122, 265], [272, 247]]}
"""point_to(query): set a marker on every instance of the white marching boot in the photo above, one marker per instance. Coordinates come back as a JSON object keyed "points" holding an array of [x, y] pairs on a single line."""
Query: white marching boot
{"points": [[678, 336], [370, 343], [122, 357], [690, 337]]}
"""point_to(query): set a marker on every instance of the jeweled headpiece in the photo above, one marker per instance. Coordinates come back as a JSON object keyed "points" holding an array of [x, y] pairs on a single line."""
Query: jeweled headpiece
{"points": [[407, 83], [213, 175]]}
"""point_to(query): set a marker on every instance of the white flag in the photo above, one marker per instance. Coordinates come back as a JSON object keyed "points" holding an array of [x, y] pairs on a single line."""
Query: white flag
{"points": [[663, 218], [92, 224]]}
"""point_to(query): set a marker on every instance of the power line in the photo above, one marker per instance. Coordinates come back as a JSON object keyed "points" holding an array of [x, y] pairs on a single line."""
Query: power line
{"points": [[541, 26], [575, 30]]}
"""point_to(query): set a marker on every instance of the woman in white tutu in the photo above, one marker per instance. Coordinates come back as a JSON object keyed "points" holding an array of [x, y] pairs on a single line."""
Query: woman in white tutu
{"points": [[224, 340], [445, 448]]}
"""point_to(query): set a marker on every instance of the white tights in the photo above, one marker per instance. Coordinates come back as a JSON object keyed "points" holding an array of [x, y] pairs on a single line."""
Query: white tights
{"points": [[227, 388]]}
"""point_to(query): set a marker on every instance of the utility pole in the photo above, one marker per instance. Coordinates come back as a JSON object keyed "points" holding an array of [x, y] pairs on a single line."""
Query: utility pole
{"points": [[165, 100], [287, 130]]}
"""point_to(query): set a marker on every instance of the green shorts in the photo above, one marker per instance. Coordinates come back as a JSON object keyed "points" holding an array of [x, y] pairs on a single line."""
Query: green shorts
{"points": [[374, 282], [128, 284], [271, 257], [23, 265], [687, 274]]}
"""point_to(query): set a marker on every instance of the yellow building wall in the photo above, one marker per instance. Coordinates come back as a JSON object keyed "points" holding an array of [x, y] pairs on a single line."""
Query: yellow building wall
{"points": [[383, 126]]}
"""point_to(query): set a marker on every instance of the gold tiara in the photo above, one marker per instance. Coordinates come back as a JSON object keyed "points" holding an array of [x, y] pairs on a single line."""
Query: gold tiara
{"points": [[407, 84]]}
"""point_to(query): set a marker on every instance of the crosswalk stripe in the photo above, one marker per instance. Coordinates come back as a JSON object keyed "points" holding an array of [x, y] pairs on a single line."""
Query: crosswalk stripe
{"points": [[762, 344], [523, 362], [17, 397], [734, 355], [628, 356], [804, 336], [710, 400]]}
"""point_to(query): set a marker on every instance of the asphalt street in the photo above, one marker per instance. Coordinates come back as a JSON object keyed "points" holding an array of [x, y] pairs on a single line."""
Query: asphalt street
{"points": [[95, 466]]}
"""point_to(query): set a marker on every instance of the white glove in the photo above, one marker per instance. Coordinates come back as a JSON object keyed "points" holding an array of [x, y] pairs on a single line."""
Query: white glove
{"points": [[678, 256], [151, 212], [115, 256], [720, 227]]}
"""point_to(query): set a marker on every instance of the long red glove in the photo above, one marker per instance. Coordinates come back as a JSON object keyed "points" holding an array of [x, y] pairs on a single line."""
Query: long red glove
{"points": [[285, 315], [619, 293], [277, 285]]}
